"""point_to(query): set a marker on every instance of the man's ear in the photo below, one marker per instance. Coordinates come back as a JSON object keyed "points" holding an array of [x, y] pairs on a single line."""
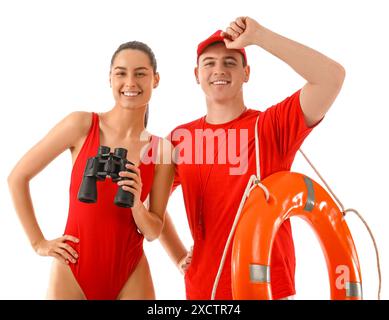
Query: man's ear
{"points": [[196, 72], [246, 73]]}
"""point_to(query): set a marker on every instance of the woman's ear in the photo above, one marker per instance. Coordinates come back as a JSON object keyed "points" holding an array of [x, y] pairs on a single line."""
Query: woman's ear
{"points": [[156, 80]]}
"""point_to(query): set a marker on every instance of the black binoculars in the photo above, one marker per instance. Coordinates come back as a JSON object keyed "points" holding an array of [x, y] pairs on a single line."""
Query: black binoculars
{"points": [[98, 168]]}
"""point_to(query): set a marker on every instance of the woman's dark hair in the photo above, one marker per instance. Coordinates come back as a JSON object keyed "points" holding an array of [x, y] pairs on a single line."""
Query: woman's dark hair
{"points": [[137, 45]]}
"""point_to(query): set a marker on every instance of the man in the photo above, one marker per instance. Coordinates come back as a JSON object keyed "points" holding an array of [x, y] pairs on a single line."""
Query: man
{"points": [[212, 190]]}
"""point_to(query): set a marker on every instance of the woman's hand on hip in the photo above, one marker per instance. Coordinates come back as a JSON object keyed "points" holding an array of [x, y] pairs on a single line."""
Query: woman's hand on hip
{"points": [[58, 248]]}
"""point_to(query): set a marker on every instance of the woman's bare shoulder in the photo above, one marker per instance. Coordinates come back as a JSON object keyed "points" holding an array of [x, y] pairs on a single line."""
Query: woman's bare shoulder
{"points": [[79, 121], [75, 127]]}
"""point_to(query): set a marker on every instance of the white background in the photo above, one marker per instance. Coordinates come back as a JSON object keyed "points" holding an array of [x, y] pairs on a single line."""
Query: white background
{"points": [[55, 59]]}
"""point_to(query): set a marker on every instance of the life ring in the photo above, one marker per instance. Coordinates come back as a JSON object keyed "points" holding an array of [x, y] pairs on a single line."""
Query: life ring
{"points": [[292, 194]]}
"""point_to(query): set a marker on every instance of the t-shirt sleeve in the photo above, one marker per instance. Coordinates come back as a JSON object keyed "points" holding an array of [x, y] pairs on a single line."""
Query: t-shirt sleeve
{"points": [[288, 126], [176, 181]]}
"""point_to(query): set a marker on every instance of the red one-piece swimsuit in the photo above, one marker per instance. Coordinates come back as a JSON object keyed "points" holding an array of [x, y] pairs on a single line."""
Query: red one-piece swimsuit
{"points": [[110, 245]]}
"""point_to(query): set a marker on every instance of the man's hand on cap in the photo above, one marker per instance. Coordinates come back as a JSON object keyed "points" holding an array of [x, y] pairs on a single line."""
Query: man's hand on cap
{"points": [[240, 33]]}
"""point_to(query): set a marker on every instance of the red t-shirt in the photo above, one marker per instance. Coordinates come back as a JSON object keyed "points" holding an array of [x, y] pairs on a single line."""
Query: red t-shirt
{"points": [[212, 192]]}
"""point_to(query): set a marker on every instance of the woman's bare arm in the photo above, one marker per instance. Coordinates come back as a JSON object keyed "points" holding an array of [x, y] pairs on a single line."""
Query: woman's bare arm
{"points": [[65, 135], [150, 221]]}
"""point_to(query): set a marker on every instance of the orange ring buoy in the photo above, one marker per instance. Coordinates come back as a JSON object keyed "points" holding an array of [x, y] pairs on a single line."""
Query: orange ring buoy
{"points": [[292, 194]]}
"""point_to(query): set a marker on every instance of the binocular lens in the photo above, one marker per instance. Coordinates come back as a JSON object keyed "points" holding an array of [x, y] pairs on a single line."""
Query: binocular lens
{"points": [[104, 150], [124, 198], [88, 191], [120, 153]]}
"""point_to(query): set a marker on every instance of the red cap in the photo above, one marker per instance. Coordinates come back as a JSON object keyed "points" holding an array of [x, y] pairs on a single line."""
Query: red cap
{"points": [[216, 37]]}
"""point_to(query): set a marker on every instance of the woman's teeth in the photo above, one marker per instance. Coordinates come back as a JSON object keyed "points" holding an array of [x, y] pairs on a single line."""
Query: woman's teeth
{"points": [[220, 82], [131, 93]]}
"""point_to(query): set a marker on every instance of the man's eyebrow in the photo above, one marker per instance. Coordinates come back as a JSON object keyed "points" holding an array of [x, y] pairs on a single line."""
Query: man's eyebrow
{"points": [[207, 58], [230, 57], [225, 58]]}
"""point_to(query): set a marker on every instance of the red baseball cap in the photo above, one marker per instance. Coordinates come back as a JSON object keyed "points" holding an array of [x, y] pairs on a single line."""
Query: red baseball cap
{"points": [[216, 37]]}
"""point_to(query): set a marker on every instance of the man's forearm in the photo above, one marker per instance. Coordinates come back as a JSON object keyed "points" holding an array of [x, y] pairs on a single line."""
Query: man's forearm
{"points": [[171, 241], [313, 66]]}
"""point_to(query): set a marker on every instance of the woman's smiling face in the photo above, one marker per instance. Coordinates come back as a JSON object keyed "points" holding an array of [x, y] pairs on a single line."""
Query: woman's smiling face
{"points": [[132, 79]]}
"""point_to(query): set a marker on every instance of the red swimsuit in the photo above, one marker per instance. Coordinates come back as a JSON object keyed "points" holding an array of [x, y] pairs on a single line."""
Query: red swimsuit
{"points": [[110, 246]]}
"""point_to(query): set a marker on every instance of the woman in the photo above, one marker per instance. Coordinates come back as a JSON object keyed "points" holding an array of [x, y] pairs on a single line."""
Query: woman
{"points": [[100, 256]]}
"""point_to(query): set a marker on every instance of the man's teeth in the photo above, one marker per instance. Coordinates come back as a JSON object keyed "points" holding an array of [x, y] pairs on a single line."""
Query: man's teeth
{"points": [[219, 82], [131, 93]]}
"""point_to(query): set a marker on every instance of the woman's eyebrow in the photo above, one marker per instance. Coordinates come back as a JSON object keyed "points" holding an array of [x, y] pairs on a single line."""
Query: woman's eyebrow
{"points": [[141, 68], [121, 68], [136, 69]]}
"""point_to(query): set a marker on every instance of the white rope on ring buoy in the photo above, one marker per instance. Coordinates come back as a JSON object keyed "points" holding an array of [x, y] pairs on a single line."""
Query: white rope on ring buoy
{"points": [[344, 211], [253, 182]]}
